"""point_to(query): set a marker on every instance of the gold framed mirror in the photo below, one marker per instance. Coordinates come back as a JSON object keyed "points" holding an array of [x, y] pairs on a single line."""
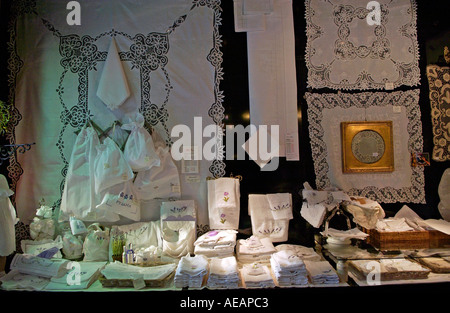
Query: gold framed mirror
{"points": [[367, 147]]}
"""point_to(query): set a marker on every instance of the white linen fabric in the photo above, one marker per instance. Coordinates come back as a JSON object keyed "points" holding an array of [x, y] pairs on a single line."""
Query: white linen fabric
{"points": [[263, 222], [216, 243], [321, 272], [7, 219], [256, 275], [254, 249], [139, 149], [280, 205], [223, 274], [348, 47], [113, 87], [327, 111], [288, 268], [272, 77], [224, 214], [191, 271], [170, 54]]}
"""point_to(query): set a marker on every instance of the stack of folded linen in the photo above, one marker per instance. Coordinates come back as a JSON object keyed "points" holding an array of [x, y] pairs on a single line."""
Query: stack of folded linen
{"points": [[224, 273], [191, 271], [304, 253], [256, 275], [216, 243], [289, 270], [321, 273], [254, 249]]}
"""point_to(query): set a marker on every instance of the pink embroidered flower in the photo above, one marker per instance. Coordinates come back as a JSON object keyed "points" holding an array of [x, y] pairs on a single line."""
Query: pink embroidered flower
{"points": [[225, 196], [222, 218]]}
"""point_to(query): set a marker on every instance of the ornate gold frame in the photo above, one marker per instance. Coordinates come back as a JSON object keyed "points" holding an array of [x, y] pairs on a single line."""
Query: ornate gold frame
{"points": [[350, 163]]}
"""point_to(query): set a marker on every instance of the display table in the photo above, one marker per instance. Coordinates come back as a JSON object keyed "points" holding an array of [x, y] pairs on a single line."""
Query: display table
{"points": [[363, 265]]}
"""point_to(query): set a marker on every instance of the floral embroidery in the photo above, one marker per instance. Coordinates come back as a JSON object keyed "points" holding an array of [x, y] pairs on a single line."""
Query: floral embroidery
{"points": [[225, 196], [178, 210], [281, 207], [269, 231], [222, 218]]}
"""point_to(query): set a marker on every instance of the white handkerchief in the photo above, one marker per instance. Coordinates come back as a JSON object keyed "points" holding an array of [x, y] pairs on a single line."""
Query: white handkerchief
{"points": [[313, 214], [280, 205], [113, 87], [225, 192]]}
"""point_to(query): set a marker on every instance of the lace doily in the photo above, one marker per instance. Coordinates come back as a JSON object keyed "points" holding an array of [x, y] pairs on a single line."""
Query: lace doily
{"points": [[439, 81], [352, 47], [327, 111]]}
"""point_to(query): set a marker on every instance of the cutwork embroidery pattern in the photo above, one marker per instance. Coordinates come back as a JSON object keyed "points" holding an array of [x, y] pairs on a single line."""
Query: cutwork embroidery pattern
{"points": [[337, 59]]}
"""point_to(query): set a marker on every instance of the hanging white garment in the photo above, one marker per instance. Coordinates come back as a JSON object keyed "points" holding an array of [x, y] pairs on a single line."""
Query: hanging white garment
{"points": [[113, 87], [79, 198], [139, 149], [110, 166], [7, 219], [159, 182], [223, 203]]}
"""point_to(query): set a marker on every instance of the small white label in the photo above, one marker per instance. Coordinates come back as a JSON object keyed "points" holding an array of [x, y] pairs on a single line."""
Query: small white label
{"points": [[192, 178], [389, 86], [176, 188]]}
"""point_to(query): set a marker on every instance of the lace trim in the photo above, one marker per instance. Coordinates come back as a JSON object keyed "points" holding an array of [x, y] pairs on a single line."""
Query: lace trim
{"points": [[439, 82], [382, 48], [408, 99]]}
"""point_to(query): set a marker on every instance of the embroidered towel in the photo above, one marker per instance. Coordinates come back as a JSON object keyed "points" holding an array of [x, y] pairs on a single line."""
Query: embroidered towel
{"points": [[113, 87], [280, 205], [223, 203], [263, 223]]}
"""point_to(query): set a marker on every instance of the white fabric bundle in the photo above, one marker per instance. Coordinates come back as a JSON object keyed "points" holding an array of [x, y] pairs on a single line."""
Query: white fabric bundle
{"points": [[191, 271], [42, 228], [110, 166], [254, 249], [223, 203], [288, 268], [224, 273], [35, 247], [321, 272], [216, 243], [79, 198], [159, 182], [139, 149], [96, 243], [263, 223], [113, 87], [256, 275]]}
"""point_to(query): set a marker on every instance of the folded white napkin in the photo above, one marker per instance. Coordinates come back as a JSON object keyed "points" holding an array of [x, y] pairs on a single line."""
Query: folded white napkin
{"points": [[280, 205], [113, 87]]}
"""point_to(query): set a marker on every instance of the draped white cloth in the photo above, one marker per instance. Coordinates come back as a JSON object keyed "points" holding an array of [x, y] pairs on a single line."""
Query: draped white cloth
{"points": [[171, 60]]}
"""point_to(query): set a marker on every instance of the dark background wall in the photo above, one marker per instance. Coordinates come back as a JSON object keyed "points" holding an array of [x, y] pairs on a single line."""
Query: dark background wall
{"points": [[433, 33], [433, 28]]}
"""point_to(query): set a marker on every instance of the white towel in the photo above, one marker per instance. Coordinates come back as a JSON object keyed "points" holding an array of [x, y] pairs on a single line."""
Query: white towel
{"points": [[113, 87], [223, 203], [263, 223], [225, 192], [280, 205]]}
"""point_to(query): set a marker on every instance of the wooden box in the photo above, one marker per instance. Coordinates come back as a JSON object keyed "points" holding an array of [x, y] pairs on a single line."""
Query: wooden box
{"points": [[427, 239]]}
